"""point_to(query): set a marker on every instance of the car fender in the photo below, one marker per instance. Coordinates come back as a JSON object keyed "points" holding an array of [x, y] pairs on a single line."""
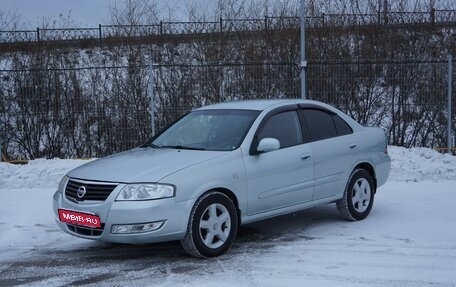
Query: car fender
{"points": [[198, 179]]}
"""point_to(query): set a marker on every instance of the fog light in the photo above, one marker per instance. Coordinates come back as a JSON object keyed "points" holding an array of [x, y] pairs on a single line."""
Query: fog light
{"points": [[136, 228]]}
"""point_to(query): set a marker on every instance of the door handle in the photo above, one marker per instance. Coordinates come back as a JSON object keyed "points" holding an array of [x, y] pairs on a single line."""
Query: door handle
{"points": [[306, 156], [353, 145]]}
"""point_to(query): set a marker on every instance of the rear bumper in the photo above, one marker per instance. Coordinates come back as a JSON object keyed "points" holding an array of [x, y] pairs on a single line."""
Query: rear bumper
{"points": [[383, 169], [174, 214]]}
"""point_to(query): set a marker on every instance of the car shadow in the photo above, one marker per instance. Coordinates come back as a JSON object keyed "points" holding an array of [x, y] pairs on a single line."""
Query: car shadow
{"points": [[258, 235]]}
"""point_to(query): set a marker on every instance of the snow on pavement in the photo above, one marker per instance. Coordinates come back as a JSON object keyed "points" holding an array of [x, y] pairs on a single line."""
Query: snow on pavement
{"points": [[409, 239]]}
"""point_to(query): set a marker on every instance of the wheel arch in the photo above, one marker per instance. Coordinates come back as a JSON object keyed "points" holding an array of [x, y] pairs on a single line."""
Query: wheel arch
{"points": [[370, 169], [231, 195]]}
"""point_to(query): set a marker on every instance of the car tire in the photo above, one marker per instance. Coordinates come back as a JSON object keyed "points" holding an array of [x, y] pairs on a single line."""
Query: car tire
{"points": [[358, 196], [212, 226]]}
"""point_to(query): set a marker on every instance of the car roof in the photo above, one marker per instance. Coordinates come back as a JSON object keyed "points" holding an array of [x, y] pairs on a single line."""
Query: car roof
{"points": [[261, 105], [256, 105]]}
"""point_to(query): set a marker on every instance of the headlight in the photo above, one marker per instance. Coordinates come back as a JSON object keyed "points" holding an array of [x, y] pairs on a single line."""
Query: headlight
{"points": [[145, 191], [62, 184]]}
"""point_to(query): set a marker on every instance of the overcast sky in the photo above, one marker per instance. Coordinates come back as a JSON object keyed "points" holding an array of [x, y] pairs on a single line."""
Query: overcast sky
{"points": [[84, 13], [90, 13]]}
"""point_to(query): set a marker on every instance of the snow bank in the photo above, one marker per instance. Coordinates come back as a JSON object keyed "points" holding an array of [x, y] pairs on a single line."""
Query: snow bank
{"points": [[414, 164], [39, 173], [419, 164]]}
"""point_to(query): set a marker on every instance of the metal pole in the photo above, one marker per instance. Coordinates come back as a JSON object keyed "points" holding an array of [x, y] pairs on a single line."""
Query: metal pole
{"points": [[303, 49], [152, 96], [450, 84]]}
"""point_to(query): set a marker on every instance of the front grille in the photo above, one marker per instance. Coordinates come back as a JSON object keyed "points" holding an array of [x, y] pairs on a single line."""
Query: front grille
{"points": [[87, 231], [94, 191]]}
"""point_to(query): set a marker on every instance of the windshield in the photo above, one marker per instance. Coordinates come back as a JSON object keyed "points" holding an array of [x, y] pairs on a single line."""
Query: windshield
{"points": [[221, 130]]}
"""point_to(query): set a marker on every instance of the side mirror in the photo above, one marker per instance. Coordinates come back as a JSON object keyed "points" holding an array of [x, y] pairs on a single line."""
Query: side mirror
{"points": [[268, 144]]}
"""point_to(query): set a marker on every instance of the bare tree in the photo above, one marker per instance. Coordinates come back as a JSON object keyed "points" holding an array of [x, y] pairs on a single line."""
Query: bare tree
{"points": [[9, 20], [133, 12], [94, 101]]}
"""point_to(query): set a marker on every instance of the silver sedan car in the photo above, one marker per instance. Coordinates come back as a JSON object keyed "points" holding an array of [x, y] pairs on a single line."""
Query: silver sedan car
{"points": [[224, 165]]}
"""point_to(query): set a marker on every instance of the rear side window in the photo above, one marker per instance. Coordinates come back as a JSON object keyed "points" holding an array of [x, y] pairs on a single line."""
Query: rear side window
{"points": [[342, 127], [284, 127], [320, 124]]}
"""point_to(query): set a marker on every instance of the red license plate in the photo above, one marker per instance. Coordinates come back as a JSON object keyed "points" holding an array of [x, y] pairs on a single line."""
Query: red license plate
{"points": [[79, 218]]}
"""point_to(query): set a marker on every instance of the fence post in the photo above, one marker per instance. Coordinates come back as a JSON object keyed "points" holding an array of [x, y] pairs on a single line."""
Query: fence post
{"points": [[99, 31], [303, 59], [37, 34], [1, 154], [221, 25], [450, 86], [265, 22], [151, 95], [432, 15]]}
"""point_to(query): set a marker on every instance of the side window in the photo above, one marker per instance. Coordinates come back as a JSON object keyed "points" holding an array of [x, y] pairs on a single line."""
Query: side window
{"points": [[342, 127], [320, 124], [284, 127]]}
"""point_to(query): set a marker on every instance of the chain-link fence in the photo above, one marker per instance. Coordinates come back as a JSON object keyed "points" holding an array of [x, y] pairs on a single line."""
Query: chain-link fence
{"points": [[74, 112], [103, 32], [407, 99], [92, 112], [179, 88]]}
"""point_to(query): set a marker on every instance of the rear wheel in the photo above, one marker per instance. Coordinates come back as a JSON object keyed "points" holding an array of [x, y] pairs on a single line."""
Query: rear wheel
{"points": [[212, 226], [358, 196]]}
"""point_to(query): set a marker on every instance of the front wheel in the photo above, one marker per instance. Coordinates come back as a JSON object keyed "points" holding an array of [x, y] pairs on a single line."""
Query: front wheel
{"points": [[358, 196], [212, 226]]}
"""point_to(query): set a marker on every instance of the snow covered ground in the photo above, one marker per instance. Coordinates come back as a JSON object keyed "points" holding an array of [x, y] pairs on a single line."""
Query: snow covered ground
{"points": [[409, 239]]}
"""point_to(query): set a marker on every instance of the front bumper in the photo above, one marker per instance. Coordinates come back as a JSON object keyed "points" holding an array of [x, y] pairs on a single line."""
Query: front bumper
{"points": [[174, 214]]}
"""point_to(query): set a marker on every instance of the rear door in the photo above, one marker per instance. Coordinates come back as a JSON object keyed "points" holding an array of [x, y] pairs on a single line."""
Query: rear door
{"points": [[334, 148]]}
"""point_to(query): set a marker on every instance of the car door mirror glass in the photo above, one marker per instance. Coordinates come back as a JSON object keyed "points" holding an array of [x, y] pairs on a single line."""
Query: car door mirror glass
{"points": [[268, 144]]}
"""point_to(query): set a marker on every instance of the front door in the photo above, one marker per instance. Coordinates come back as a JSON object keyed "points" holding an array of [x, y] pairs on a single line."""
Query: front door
{"points": [[283, 177]]}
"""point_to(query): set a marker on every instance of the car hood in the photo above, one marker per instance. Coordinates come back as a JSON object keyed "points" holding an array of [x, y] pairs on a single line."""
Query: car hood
{"points": [[141, 165]]}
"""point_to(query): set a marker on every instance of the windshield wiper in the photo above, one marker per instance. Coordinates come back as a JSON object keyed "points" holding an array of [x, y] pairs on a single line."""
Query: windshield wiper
{"points": [[181, 147]]}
